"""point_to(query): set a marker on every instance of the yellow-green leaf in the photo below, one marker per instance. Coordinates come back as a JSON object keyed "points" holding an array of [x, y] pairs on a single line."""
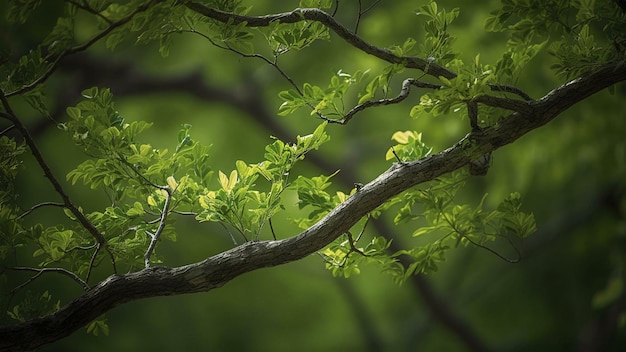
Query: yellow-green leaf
{"points": [[171, 182]]}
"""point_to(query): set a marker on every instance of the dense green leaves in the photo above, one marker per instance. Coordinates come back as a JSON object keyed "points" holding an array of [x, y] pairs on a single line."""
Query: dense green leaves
{"points": [[438, 42], [327, 102], [243, 206], [590, 33], [451, 224], [344, 258]]}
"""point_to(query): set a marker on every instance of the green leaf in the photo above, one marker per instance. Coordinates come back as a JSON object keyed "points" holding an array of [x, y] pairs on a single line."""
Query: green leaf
{"points": [[136, 210], [228, 182]]}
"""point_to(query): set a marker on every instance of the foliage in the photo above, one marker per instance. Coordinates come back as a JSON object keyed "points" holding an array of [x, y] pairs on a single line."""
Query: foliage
{"points": [[149, 188]]}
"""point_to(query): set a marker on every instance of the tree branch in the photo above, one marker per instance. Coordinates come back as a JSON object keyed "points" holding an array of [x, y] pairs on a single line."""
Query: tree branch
{"points": [[404, 93], [155, 236], [219, 269], [320, 16], [40, 205]]}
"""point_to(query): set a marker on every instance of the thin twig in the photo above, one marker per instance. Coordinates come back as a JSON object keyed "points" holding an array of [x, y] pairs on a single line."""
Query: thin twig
{"points": [[400, 161], [231, 234], [40, 271], [37, 206], [4, 131], [358, 19], [510, 89], [92, 261], [157, 233], [144, 178], [82, 248], [184, 213], [272, 228], [361, 13], [353, 248], [336, 8], [512, 261], [367, 220]]}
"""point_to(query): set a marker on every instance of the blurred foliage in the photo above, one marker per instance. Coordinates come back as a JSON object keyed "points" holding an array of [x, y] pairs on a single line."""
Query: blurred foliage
{"points": [[147, 163]]}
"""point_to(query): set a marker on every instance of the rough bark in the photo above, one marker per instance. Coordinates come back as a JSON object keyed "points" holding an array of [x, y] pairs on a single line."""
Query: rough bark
{"points": [[221, 268]]}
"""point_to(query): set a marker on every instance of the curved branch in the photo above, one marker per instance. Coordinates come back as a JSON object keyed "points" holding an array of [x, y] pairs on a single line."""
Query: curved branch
{"points": [[324, 18], [216, 271], [40, 205], [404, 93]]}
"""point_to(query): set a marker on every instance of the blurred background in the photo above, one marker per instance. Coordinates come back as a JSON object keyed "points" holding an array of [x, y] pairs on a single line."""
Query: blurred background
{"points": [[566, 294]]}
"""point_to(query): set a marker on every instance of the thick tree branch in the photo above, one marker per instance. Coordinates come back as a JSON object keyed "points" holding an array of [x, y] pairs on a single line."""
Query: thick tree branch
{"points": [[318, 15], [504, 103], [216, 271]]}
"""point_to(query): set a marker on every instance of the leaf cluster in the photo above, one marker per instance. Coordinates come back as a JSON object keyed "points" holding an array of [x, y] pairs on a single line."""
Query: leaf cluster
{"points": [[437, 44], [589, 33], [242, 206], [343, 258], [451, 224]]}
